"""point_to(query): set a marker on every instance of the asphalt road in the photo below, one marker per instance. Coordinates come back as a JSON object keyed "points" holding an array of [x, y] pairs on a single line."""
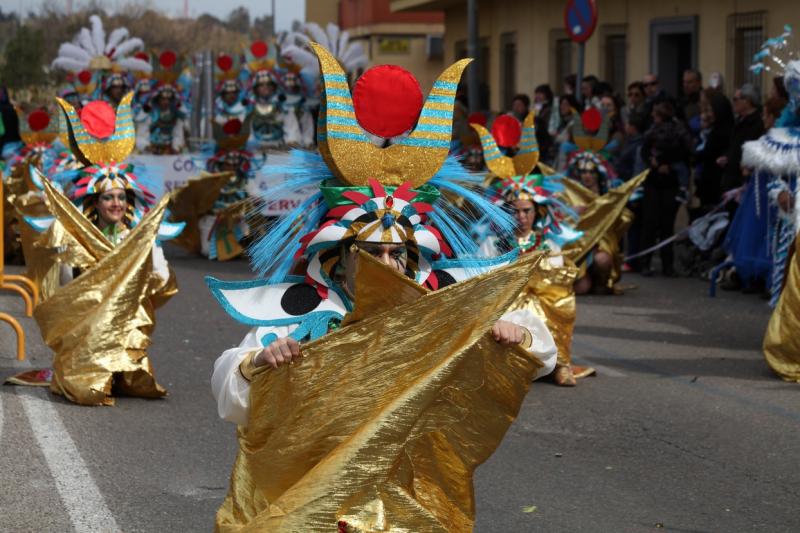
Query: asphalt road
{"points": [[683, 430]]}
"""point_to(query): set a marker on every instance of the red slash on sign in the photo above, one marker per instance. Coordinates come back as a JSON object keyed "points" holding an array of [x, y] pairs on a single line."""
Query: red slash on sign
{"points": [[580, 19]]}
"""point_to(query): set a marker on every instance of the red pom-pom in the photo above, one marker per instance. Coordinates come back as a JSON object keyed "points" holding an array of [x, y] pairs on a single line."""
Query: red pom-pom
{"points": [[477, 118], [387, 100], [98, 119], [84, 77], [167, 59], [142, 55], [232, 127], [507, 131], [591, 119], [225, 62], [259, 49], [38, 120]]}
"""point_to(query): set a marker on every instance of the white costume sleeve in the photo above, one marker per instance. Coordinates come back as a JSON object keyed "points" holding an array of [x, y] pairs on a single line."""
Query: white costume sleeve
{"points": [[160, 266], [543, 346], [230, 389], [143, 134], [178, 141]]}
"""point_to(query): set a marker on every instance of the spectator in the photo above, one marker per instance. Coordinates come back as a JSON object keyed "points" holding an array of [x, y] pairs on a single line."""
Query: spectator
{"points": [[748, 127], [666, 150], [635, 101], [653, 94], [10, 120], [560, 128], [716, 82], [543, 105], [690, 101], [602, 89], [570, 82], [773, 108], [520, 106], [587, 91], [717, 121], [611, 106], [630, 164]]}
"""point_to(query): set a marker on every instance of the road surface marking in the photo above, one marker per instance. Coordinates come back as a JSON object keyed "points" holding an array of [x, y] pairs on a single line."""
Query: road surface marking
{"points": [[79, 493]]}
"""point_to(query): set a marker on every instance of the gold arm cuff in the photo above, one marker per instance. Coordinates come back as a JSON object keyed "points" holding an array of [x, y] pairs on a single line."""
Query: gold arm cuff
{"points": [[527, 340], [248, 368]]}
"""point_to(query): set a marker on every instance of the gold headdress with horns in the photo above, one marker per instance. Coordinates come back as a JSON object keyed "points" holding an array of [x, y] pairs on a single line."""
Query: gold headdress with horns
{"points": [[354, 159], [520, 164], [93, 149]]}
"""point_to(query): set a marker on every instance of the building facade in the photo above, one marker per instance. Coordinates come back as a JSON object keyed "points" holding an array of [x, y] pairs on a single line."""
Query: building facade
{"points": [[412, 40], [522, 43]]}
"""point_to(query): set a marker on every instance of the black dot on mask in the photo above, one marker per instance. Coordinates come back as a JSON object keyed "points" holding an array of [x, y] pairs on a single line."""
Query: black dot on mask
{"points": [[300, 299]]}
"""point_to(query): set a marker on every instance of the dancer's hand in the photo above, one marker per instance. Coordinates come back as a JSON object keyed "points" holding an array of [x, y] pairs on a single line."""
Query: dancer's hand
{"points": [[507, 333], [280, 351]]}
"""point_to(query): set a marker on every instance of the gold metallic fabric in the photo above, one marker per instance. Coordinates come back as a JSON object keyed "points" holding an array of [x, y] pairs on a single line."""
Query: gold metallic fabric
{"points": [[549, 294], [193, 200], [381, 424], [99, 324], [782, 340], [604, 222]]}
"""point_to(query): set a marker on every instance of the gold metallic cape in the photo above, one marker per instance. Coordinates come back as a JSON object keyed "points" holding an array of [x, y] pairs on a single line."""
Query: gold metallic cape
{"points": [[604, 222], [382, 423], [193, 200], [782, 340], [99, 324]]}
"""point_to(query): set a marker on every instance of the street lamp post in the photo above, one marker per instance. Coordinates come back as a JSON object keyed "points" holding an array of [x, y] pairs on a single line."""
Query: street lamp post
{"points": [[472, 51]]}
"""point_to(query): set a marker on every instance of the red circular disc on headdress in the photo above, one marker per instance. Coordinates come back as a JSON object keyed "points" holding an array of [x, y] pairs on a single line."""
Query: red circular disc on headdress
{"points": [[259, 48], [142, 55], [84, 77], [507, 131], [98, 119], [167, 58], [591, 119], [225, 62], [387, 100], [232, 127], [477, 118], [38, 120]]}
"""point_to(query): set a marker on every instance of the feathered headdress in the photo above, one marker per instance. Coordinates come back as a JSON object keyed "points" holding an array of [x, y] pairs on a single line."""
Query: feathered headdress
{"points": [[778, 150], [102, 138], [507, 133], [350, 55], [376, 194], [91, 51]]}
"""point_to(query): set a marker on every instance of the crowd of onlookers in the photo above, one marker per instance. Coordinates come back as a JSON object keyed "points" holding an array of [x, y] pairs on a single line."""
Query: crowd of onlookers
{"points": [[690, 143]]}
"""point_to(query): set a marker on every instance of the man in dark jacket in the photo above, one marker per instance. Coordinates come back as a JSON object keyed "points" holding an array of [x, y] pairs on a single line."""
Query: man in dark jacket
{"points": [[748, 127]]}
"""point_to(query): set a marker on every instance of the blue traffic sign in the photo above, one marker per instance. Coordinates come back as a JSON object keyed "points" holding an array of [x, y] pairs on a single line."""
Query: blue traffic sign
{"points": [[580, 19]]}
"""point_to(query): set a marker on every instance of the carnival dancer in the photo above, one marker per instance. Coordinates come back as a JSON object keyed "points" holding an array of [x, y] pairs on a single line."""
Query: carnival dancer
{"points": [[230, 102], [777, 154], [161, 129], [599, 197], [98, 321], [264, 100], [542, 224], [412, 395]]}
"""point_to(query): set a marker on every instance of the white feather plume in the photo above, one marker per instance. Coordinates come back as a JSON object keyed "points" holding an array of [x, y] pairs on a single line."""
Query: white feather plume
{"points": [[69, 64], [135, 64], [333, 38], [307, 61], [117, 36], [316, 33], [354, 57], [344, 39], [75, 52], [85, 41], [128, 46], [98, 34]]}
